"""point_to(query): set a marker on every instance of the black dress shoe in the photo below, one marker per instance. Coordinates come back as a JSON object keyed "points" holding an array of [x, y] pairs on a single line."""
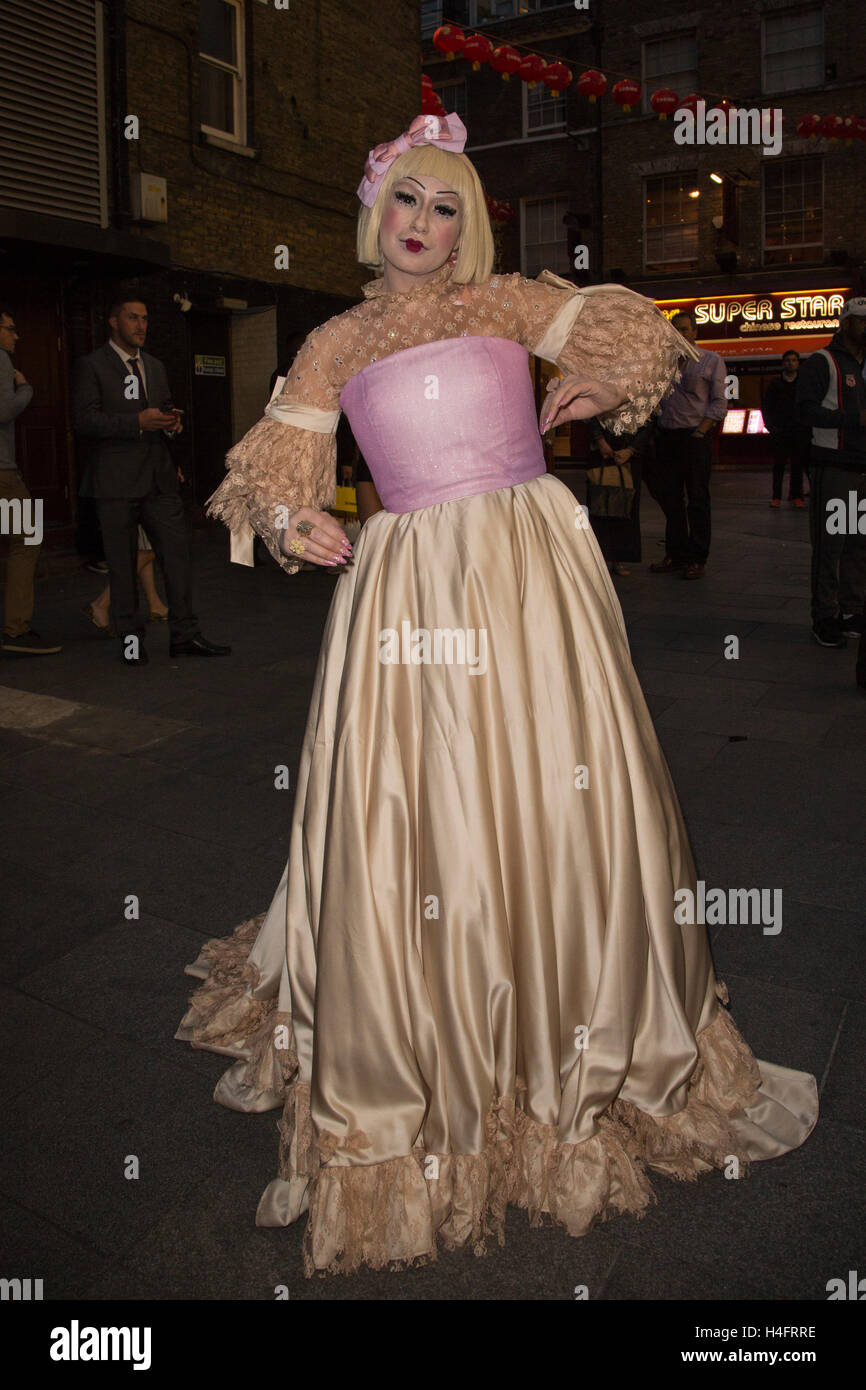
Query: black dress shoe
{"points": [[197, 646], [141, 660]]}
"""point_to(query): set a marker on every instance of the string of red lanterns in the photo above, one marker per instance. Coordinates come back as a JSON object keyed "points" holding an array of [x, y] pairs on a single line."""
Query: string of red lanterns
{"points": [[500, 210], [557, 76]]}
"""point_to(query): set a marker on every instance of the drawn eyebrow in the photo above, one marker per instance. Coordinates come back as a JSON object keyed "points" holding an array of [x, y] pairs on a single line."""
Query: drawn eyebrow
{"points": [[442, 191]]}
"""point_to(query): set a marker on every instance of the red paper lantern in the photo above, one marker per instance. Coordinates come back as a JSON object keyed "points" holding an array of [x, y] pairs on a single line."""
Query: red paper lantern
{"points": [[477, 50], [848, 129], [557, 77], [426, 81], [499, 209], [807, 126], [431, 103], [626, 93], [592, 84], [505, 60], [530, 69], [494, 208], [449, 39], [831, 127], [663, 102], [690, 103], [859, 127]]}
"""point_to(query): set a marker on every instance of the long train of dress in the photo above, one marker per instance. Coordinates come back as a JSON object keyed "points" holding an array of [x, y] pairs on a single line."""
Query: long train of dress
{"points": [[469, 990]]}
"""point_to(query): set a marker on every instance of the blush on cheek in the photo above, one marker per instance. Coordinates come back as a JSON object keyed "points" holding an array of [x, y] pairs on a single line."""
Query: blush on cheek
{"points": [[391, 219]]}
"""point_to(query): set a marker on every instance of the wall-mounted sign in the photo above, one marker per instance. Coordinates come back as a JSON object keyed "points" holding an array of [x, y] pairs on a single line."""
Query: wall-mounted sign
{"points": [[765, 316], [209, 366]]}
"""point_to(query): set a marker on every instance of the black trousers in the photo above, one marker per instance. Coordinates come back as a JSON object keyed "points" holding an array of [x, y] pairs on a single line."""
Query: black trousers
{"points": [[88, 538], [162, 516], [619, 537], [797, 450], [681, 486], [838, 559]]}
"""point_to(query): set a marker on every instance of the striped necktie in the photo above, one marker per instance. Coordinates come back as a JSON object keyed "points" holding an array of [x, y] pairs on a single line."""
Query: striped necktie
{"points": [[132, 363]]}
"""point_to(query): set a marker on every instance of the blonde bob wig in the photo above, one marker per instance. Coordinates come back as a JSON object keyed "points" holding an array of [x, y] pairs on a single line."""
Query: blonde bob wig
{"points": [[475, 255]]}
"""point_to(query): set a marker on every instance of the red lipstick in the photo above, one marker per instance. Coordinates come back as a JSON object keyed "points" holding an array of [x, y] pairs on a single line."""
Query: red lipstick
{"points": [[413, 245]]}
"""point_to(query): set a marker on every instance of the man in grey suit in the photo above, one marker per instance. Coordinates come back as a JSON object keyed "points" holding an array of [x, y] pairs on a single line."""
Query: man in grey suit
{"points": [[122, 406]]}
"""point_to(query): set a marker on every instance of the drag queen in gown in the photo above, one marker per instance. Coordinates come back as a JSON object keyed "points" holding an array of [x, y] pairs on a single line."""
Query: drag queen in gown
{"points": [[470, 989]]}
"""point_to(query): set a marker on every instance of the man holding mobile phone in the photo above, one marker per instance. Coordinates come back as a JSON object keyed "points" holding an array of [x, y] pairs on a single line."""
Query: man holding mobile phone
{"points": [[131, 475]]}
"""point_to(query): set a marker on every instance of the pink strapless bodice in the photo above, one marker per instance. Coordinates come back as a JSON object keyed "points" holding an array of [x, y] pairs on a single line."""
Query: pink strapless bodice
{"points": [[446, 419]]}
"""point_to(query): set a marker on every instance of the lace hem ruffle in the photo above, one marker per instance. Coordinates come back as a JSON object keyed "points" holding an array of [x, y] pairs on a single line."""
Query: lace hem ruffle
{"points": [[395, 1213]]}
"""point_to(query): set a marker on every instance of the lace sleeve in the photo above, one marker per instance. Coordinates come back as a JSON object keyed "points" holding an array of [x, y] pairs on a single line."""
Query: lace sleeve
{"points": [[286, 461], [605, 332]]}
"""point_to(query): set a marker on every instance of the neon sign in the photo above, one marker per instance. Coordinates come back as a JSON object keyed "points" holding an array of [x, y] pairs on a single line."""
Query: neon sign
{"points": [[729, 317]]}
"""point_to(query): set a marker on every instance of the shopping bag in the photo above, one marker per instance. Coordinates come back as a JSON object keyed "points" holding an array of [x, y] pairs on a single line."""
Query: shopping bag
{"points": [[610, 491]]}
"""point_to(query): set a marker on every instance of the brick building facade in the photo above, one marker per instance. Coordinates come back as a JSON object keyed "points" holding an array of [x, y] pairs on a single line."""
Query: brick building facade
{"points": [[527, 148], [773, 237], [206, 152]]}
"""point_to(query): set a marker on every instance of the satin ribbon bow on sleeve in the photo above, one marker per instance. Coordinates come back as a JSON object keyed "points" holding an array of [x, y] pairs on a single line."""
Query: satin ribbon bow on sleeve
{"points": [[447, 132]]}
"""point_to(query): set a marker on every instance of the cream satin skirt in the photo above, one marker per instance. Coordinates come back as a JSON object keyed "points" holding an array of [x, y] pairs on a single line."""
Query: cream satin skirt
{"points": [[469, 990]]}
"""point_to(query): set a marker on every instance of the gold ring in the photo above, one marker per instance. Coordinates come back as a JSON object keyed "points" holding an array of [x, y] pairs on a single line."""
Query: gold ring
{"points": [[304, 528], [297, 547]]}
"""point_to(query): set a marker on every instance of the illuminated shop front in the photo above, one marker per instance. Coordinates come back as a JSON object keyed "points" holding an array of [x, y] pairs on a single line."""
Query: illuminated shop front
{"points": [[751, 332]]}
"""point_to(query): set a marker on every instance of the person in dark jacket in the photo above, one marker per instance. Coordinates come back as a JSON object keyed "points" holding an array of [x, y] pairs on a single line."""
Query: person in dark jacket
{"points": [[17, 509], [619, 537], [122, 406], [831, 399], [788, 438]]}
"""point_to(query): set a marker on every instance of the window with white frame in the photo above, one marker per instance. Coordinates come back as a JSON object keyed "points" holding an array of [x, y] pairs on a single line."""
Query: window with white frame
{"points": [[545, 236], [221, 68], [436, 12], [793, 50], [543, 110], [670, 222], [453, 97], [670, 62], [793, 210]]}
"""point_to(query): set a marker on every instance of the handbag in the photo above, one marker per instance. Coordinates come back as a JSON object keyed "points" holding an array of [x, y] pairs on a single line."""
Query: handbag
{"points": [[610, 491]]}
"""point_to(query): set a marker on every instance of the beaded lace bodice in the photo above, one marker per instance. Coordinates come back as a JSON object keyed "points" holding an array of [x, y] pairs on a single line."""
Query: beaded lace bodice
{"points": [[604, 333]]}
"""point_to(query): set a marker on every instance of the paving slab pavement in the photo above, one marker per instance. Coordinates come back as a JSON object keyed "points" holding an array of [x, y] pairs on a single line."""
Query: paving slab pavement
{"points": [[160, 783]]}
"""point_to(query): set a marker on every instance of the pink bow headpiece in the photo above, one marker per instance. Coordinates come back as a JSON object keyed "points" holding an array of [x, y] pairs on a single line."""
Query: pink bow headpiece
{"points": [[447, 132]]}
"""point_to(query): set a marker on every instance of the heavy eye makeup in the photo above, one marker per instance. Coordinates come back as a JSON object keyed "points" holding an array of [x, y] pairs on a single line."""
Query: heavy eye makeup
{"points": [[409, 200]]}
